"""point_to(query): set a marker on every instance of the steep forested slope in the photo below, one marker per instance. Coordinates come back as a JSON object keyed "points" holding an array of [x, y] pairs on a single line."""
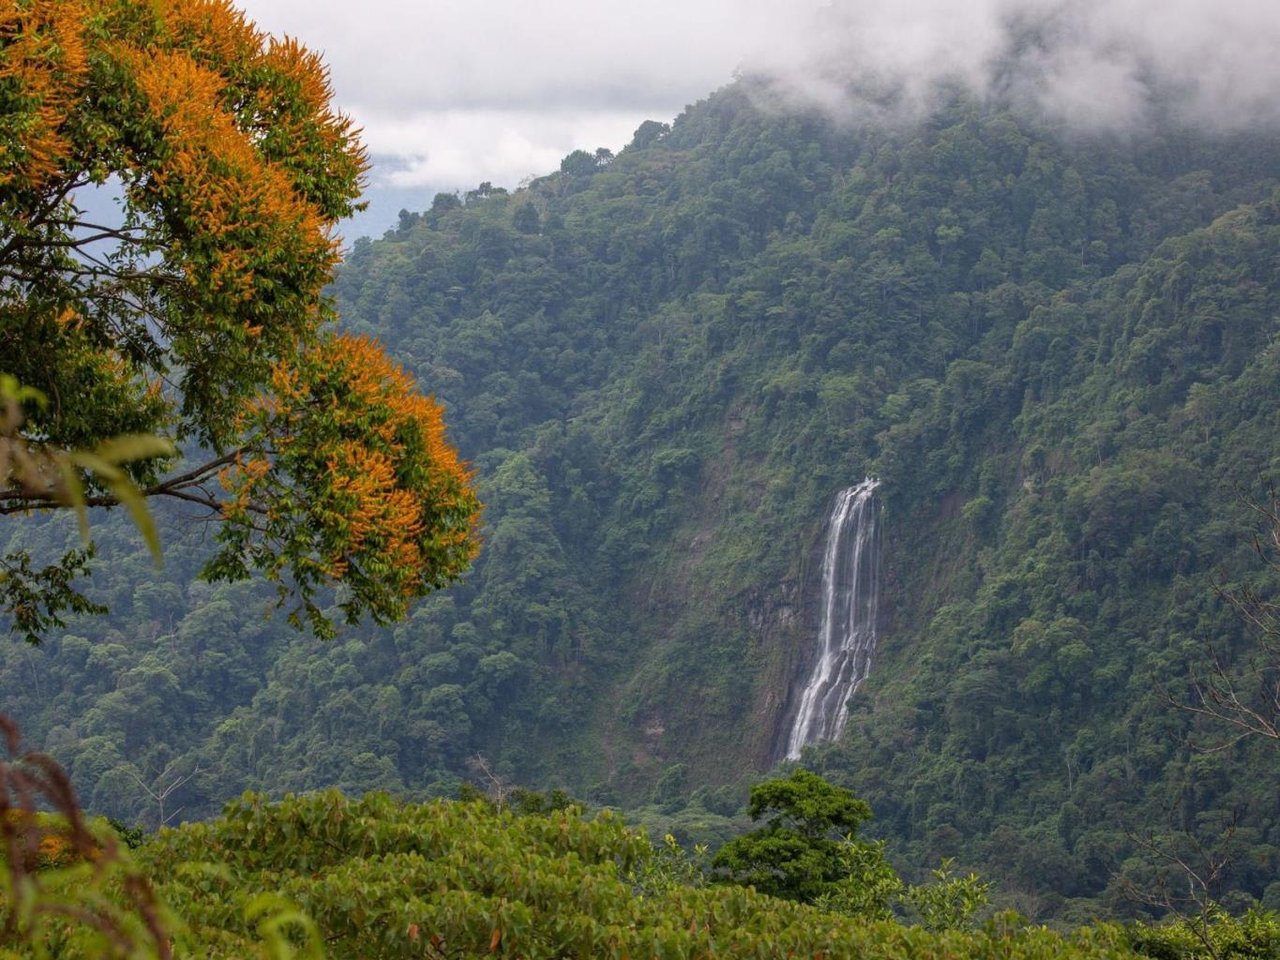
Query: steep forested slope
{"points": [[1056, 354]]}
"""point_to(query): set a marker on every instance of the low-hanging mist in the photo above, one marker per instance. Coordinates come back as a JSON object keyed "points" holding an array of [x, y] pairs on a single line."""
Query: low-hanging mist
{"points": [[1093, 66]]}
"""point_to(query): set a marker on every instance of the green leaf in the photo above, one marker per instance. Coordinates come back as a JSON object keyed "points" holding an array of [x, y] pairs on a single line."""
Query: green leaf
{"points": [[124, 490], [75, 494], [11, 389], [131, 447], [275, 916]]}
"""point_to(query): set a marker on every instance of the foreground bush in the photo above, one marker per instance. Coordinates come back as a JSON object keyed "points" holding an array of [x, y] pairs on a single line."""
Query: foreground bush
{"points": [[323, 875], [447, 879]]}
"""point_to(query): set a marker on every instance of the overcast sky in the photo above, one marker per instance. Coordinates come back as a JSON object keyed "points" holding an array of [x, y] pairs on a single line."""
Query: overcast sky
{"points": [[453, 92]]}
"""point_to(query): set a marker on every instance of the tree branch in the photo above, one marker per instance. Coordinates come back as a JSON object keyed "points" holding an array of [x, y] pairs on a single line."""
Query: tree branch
{"points": [[56, 198], [180, 487]]}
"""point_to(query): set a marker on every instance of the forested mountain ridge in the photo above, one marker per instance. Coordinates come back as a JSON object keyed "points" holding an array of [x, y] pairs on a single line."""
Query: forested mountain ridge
{"points": [[1056, 355]]}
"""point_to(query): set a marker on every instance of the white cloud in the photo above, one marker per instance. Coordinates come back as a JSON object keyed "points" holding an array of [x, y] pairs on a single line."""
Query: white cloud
{"points": [[453, 92], [459, 148], [455, 54], [1092, 64]]}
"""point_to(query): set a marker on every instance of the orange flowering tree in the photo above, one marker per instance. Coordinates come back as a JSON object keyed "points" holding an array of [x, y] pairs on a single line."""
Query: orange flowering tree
{"points": [[196, 310], [348, 479]]}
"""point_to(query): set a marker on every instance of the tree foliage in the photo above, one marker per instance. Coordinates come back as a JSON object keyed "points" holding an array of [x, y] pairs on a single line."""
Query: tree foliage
{"points": [[326, 875], [59, 880], [799, 852], [348, 478], [386, 879], [808, 850], [1245, 698], [195, 309]]}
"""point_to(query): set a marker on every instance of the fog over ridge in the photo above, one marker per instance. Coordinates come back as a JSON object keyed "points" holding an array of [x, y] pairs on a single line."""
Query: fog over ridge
{"points": [[1090, 65], [449, 94]]}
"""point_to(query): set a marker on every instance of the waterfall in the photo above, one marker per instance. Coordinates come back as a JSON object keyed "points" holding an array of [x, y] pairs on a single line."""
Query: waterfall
{"points": [[850, 602]]}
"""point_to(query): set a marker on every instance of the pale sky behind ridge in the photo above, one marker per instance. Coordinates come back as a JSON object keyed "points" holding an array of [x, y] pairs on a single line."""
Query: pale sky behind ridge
{"points": [[451, 93]]}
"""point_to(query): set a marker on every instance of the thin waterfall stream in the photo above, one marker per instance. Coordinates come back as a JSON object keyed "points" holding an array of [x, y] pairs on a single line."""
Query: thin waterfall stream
{"points": [[850, 606]]}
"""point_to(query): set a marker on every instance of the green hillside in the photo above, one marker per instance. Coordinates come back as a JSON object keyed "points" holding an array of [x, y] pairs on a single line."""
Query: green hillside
{"points": [[1056, 354]]}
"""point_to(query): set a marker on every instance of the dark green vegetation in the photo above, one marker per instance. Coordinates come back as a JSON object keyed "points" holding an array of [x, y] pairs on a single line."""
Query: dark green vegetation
{"points": [[796, 854], [323, 875], [1058, 356], [529, 876], [808, 850]]}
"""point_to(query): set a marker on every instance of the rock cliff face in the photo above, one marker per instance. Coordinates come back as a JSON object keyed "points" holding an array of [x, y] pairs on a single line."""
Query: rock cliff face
{"points": [[779, 624]]}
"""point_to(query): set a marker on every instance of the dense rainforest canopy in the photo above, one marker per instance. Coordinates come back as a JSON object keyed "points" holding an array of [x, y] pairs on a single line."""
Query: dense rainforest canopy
{"points": [[1057, 354]]}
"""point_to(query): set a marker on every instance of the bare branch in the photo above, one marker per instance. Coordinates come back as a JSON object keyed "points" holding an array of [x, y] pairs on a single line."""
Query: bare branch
{"points": [[1201, 868], [40, 217], [164, 792], [1246, 697]]}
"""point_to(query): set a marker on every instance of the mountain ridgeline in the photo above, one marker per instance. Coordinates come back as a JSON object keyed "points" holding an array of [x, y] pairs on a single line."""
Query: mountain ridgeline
{"points": [[1058, 357]]}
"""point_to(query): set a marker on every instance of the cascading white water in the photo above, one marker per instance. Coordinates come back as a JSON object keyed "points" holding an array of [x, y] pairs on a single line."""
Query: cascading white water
{"points": [[850, 604]]}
